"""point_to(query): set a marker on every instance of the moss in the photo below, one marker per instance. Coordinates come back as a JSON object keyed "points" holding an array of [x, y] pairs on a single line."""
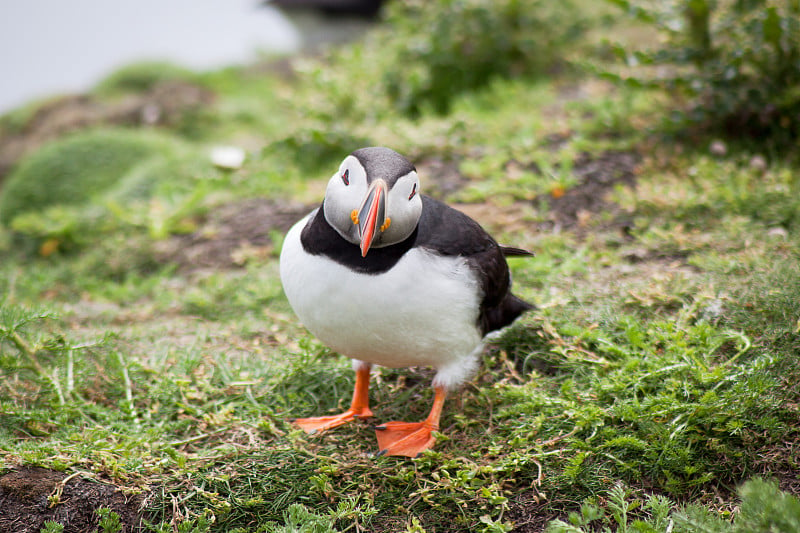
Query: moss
{"points": [[70, 171]]}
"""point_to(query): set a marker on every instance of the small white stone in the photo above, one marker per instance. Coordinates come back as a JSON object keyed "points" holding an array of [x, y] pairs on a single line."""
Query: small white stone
{"points": [[718, 148], [758, 163], [230, 157]]}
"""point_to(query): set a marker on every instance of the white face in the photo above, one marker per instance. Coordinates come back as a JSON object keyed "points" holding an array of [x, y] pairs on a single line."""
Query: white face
{"points": [[346, 192]]}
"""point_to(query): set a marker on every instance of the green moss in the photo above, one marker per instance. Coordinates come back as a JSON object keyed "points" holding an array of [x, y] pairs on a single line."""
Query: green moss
{"points": [[72, 170]]}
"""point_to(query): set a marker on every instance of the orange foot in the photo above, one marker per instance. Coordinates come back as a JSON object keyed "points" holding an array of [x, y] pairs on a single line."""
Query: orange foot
{"points": [[324, 423], [408, 439], [411, 438], [359, 407]]}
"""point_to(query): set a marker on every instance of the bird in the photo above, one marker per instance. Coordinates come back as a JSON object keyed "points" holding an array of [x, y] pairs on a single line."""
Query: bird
{"points": [[391, 277]]}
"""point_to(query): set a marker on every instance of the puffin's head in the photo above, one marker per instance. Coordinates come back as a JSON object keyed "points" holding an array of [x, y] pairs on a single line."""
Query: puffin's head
{"points": [[373, 199]]}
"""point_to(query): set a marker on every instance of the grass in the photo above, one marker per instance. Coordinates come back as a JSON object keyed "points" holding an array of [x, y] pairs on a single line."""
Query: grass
{"points": [[656, 378]]}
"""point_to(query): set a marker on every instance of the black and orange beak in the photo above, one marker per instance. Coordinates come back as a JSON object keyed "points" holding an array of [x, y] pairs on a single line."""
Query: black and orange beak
{"points": [[372, 215]]}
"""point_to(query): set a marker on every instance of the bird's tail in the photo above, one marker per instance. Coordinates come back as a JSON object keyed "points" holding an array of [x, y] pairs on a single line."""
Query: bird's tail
{"points": [[510, 251], [504, 314]]}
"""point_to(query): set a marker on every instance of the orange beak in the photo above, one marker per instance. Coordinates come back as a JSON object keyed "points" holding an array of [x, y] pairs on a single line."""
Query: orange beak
{"points": [[372, 215]]}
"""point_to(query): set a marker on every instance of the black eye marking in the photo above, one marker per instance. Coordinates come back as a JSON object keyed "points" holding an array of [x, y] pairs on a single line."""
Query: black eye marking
{"points": [[413, 192], [346, 177]]}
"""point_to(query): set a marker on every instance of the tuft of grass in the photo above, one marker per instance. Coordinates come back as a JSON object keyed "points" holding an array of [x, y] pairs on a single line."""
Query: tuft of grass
{"points": [[51, 526], [763, 508], [109, 521]]}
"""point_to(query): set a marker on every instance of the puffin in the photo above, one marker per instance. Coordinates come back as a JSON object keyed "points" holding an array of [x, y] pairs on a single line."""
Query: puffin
{"points": [[390, 277]]}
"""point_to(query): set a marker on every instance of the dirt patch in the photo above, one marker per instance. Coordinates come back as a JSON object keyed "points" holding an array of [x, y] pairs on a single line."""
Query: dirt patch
{"points": [[233, 234], [530, 513], [164, 104], [441, 178], [26, 494], [596, 177], [645, 255]]}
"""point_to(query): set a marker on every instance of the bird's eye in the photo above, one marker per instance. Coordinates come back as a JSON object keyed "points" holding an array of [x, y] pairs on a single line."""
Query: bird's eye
{"points": [[413, 192], [346, 177]]}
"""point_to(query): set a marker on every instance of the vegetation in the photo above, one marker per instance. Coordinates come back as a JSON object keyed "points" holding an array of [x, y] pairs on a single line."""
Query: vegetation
{"points": [[450, 47], [70, 171], [737, 63], [654, 389], [764, 508]]}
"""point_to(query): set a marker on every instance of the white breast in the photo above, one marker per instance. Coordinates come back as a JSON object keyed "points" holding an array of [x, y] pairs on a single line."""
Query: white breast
{"points": [[423, 311]]}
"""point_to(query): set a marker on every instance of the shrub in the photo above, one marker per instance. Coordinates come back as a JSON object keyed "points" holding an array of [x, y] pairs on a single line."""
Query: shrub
{"points": [[71, 170], [445, 47], [736, 62]]}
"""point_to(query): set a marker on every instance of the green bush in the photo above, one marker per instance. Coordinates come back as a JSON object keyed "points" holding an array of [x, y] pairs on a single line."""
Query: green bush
{"points": [[736, 64], [71, 170], [442, 48]]}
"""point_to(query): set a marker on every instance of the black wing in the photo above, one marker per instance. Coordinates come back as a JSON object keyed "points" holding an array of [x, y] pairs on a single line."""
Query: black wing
{"points": [[447, 231]]}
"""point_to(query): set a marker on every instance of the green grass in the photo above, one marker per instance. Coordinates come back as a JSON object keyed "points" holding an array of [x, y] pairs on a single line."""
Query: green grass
{"points": [[656, 378]]}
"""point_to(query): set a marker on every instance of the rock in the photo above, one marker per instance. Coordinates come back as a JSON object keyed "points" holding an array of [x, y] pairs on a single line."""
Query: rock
{"points": [[718, 148], [227, 157], [758, 163]]}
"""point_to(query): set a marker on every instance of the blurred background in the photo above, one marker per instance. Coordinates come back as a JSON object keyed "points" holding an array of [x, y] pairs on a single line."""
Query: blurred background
{"points": [[48, 46]]}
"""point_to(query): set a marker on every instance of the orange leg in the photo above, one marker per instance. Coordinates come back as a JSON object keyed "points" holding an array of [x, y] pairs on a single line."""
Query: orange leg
{"points": [[359, 407], [411, 438]]}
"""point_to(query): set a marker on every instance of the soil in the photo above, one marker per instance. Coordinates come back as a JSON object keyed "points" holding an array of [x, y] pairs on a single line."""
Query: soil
{"points": [[164, 104], [24, 500], [441, 178], [233, 234], [596, 175], [530, 513]]}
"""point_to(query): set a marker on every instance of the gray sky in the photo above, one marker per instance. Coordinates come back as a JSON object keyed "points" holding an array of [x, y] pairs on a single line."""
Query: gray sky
{"points": [[59, 46]]}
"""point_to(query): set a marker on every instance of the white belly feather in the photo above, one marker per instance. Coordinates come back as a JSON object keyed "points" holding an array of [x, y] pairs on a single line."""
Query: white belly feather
{"points": [[423, 311]]}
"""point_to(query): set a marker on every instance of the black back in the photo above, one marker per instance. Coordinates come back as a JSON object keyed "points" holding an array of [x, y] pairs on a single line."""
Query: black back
{"points": [[444, 231]]}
